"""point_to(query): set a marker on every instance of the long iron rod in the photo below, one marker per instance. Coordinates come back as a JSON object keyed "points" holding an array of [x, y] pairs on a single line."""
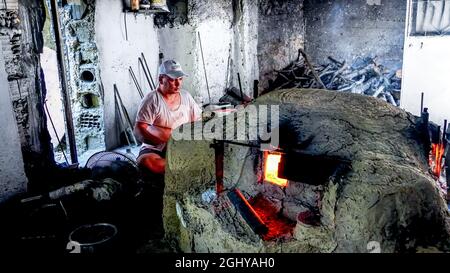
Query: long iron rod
{"points": [[421, 103], [121, 123], [148, 70], [145, 73], [63, 82], [125, 112], [204, 67], [138, 87]]}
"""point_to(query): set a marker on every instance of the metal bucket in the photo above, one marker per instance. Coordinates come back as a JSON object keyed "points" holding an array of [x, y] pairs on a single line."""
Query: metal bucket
{"points": [[95, 238]]}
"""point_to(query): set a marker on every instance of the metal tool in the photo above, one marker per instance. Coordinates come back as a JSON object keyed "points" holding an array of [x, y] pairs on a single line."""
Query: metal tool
{"points": [[145, 73], [204, 67], [148, 70], [136, 83], [248, 213]]}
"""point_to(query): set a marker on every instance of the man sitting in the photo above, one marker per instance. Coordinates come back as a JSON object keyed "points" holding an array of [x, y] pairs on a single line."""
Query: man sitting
{"points": [[160, 112]]}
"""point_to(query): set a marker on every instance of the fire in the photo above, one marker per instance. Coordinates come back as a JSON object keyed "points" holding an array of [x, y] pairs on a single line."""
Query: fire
{"points": [[435, 161], [271, 169]]}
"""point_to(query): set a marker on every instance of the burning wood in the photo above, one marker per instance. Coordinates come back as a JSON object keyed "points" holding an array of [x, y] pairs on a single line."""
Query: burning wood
{"points": [[364, 76]]}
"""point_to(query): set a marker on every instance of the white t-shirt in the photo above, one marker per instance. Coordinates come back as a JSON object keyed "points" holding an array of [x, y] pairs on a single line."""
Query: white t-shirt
{"points": [[155, 111]]}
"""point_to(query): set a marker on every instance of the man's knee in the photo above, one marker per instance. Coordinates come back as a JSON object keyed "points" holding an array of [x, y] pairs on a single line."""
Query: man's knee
{"points": [[152, 162]]}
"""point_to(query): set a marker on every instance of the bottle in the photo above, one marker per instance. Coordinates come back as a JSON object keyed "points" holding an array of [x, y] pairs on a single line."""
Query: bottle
{"points": [[134, 4]]}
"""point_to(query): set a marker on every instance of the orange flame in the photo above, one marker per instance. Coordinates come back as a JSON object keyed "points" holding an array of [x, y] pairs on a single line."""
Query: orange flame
{"points": [[435, 161], [271, 169]]}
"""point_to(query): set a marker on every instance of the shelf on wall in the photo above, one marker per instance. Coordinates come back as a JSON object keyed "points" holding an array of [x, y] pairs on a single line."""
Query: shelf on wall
{"points": [[147, 11]]}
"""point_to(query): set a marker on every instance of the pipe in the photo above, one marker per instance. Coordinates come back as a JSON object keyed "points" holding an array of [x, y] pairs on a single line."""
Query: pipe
{"points": [[63, 82]]}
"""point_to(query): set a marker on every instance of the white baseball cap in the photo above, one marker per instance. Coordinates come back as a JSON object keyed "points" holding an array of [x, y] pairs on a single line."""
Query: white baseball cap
{"points": [[172, 69]]}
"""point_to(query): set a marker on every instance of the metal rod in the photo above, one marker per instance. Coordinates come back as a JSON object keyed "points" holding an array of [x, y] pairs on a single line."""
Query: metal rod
{"points": [[125, 112], [204, 67], [247, 211], [421, 103], [63, 82], [240, 87], [148, 70], [125, 22], [121, 123], [138, 87], [444, 133], [255, 89], [56, 133], [145, 73]]}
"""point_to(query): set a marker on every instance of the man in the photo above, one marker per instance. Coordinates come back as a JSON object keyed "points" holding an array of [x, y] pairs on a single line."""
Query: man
{"points": [[160, 112]]}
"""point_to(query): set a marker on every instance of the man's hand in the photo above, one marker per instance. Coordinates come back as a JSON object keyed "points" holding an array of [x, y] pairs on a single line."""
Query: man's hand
{"points": [[152, 134]]}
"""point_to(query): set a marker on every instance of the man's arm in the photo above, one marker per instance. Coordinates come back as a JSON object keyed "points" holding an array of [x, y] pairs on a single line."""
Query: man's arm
{"points": [[151, 134]]}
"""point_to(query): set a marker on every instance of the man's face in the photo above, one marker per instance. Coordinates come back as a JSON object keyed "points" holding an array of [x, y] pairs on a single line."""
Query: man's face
{"points": [[169, 85]]}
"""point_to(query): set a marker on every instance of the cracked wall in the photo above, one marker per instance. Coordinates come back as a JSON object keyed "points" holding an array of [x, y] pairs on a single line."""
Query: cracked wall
{"points": [[255, 38], [281, 33], [346, 30], [83, 74], [119, 46]]}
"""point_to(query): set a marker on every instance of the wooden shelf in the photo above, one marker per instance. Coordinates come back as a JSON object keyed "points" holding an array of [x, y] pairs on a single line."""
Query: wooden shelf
{"points": [[147, 11]]}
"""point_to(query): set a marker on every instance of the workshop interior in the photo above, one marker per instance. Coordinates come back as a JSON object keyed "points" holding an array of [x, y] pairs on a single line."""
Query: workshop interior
{"points": [[324, 126]]}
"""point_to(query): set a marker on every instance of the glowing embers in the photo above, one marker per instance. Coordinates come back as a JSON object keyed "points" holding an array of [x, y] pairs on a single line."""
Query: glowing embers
{"points": [[271, 163], [278, 225]]}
